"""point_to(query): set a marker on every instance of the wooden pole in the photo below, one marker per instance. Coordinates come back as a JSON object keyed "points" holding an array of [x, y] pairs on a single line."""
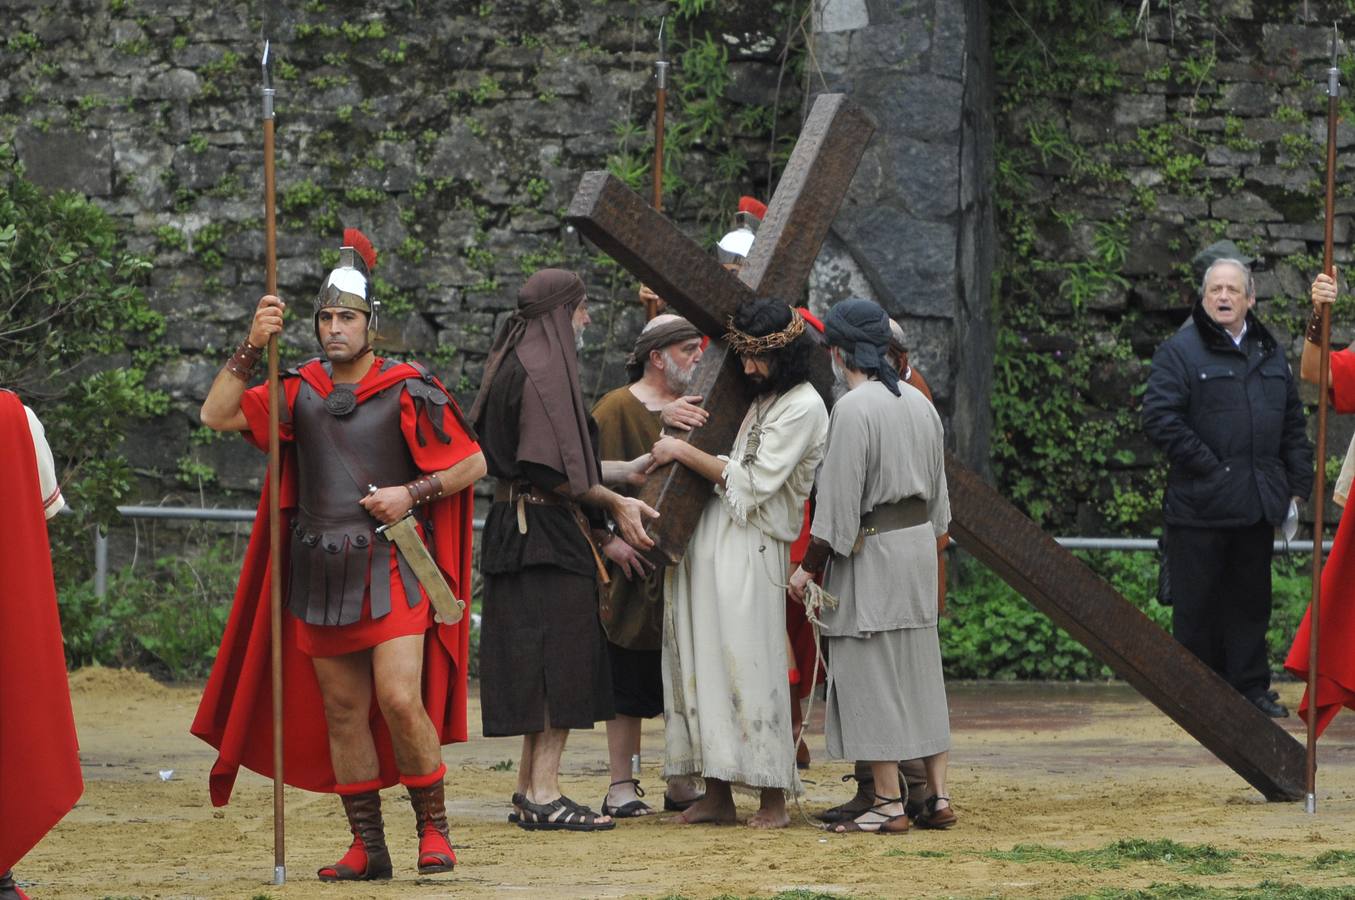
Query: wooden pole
{"points": [[660, 103], [274, 477], [1320, 487]]}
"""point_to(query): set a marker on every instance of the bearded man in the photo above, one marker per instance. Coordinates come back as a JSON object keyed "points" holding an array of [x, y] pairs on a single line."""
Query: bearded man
{"points": [[726, 695], [543, 669], [366, 442], [630, 420], [39, 758], [882, 506]]}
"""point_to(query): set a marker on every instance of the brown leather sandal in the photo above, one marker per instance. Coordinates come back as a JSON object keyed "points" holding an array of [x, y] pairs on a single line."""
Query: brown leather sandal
{"points": [[932, 817], [895, 824]]}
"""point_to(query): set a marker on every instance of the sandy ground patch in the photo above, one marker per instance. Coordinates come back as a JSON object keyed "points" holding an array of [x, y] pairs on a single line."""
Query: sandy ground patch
{"points": [[1064, 767]]}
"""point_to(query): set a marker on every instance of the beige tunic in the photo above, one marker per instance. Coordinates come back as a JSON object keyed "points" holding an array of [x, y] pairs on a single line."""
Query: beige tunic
{"points": [[726, 694]]}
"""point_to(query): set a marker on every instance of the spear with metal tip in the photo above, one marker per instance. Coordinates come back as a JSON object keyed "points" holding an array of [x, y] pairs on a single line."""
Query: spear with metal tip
{"points": [[1324, 373], [274, 471]]}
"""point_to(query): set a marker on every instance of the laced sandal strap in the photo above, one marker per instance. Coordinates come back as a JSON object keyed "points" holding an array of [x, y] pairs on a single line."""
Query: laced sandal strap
{"points": [[639, 791]]}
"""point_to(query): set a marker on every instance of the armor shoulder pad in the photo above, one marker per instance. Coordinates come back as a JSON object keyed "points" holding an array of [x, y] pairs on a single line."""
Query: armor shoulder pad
{"points": [[295, 371], [422, 389]]}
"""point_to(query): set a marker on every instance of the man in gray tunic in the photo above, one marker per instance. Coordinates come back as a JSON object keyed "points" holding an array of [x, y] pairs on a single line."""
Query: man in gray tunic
{"points": [[882, 507]]}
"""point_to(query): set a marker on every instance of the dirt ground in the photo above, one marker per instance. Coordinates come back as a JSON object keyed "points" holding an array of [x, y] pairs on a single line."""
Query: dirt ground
{"points": [[1068, 768]]}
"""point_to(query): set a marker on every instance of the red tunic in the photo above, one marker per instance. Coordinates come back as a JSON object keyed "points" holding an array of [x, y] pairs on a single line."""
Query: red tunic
{"points": [[1336, 662], [39, 758], [235, 715]]}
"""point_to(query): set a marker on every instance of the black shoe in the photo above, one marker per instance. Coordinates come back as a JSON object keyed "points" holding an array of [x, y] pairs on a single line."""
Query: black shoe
{"points": [[1274, 695], [1270, 707]]}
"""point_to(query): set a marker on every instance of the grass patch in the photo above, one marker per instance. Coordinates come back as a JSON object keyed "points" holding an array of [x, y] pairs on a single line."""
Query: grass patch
{"points": [[1198, 859], [1338, 860], [918, 854], [1266, 890]]}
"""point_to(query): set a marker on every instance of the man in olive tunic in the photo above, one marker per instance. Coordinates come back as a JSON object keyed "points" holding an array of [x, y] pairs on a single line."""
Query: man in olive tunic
{"points": [[543, 668], [630, 420], [878, 517]]}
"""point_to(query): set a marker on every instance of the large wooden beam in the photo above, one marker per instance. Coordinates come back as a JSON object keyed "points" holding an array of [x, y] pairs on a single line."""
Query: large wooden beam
{"points": [[1082, 603], [689, 279]]}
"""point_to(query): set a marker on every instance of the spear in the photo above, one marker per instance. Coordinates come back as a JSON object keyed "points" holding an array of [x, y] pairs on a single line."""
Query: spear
{"points": [[660, 100], [274, 472], [1333, 114]]}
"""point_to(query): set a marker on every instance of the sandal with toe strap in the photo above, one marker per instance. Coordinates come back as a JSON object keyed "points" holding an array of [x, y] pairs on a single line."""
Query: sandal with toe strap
{"points": [[932, 817], [895, 824], [561, 814], [629, 810], [853, 807]]}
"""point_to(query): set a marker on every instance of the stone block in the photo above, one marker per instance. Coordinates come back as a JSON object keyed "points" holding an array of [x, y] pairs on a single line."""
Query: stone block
{"points": [[64, 160], [920, 106], [897, 46], [951, 37], [926, 176], [1222, 155], [1244, 206], [1247, 98], [1139, 109], [911, 264], [833, 16], [174, 84], [1293, 45], [836, 275]]}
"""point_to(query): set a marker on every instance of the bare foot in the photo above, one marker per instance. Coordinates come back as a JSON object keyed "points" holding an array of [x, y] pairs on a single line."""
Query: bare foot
{"points": [[769, 818], [772, 813], [716, 810]]}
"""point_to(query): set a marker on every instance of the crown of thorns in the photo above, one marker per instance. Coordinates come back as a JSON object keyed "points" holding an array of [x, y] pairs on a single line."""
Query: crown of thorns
{"points": [[747, 345]]}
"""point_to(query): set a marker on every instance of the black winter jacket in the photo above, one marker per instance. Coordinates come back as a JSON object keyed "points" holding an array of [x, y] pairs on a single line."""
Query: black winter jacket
{"points": [[1230, 422]]}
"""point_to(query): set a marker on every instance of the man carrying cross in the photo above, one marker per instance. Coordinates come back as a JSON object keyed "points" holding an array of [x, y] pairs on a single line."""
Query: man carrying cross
{"points": [[726, 697]]}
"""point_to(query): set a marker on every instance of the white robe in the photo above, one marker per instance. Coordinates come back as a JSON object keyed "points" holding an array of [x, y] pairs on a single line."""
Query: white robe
{"points": [[725, 686], [52, 501]]}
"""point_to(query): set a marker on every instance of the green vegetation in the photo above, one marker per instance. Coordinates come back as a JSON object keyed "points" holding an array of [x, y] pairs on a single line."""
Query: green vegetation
{"points": [[78, 339], [1197, 859]]}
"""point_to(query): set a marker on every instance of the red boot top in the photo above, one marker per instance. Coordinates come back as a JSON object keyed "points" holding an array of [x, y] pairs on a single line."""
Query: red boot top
{"points": [[367, 858], [430, 820]]}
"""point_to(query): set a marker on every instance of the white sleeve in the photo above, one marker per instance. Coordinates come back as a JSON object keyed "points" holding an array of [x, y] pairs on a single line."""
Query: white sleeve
{"points": [[52, 501]]}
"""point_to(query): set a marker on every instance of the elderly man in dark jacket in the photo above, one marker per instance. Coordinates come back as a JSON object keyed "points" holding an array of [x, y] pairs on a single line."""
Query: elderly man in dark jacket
{"points": [[1223, 405]]}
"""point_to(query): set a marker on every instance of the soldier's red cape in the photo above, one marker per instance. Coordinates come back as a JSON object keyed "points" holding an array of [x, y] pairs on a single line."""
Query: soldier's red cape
{"points": [[236, 712], [1336, 664], [39, 757]]}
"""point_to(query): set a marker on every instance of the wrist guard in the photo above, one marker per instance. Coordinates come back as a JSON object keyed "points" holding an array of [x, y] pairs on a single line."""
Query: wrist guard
{"points": [[1314, 334], [243, 362], [425, 489]]}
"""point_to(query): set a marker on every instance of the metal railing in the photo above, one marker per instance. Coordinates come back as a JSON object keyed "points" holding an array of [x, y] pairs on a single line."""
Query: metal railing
{"points": [[206, 514]]}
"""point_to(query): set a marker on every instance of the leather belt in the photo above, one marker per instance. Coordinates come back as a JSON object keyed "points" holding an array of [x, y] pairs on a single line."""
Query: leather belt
{"points": [[520, 493], [905, 513], [512, 491]]}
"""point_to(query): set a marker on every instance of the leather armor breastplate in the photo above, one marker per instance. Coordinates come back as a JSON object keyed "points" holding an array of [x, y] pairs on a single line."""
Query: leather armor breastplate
{"points": [[334, 544]]}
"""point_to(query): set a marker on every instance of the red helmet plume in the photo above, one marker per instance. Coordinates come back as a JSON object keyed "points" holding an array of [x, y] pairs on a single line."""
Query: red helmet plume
{"points": [[354, 238]]}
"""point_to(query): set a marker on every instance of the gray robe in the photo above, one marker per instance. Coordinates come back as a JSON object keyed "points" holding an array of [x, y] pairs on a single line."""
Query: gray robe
{"points": [[886, 696]]}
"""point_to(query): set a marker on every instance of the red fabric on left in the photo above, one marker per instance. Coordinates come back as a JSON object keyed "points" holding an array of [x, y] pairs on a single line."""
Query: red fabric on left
{"points": [[39, 757], [1336, 664], [235, 714]]}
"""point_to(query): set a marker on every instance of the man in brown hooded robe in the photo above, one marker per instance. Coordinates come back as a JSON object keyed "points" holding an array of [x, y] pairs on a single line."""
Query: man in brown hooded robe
{"points": [[543, 664]]}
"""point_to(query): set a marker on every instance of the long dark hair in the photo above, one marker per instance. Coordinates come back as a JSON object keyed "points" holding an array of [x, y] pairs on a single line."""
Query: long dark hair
{"points": [[790, 364]]}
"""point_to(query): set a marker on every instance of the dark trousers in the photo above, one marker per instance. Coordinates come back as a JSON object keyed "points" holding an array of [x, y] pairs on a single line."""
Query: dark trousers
{"points": [[1220, 583]]}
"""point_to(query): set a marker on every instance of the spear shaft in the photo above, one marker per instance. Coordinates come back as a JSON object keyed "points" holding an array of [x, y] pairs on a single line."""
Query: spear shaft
{"points": [[274, 474], [660, 102], [1324, 370]]}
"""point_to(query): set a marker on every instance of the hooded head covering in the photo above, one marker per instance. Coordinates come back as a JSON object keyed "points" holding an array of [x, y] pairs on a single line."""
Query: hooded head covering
{"points": [[662, 331], [861, 328], [554, 426]]}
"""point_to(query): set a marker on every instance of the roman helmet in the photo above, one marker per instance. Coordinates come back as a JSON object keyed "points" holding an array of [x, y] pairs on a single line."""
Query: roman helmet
{"points": [[734, 246], [349, 284]]}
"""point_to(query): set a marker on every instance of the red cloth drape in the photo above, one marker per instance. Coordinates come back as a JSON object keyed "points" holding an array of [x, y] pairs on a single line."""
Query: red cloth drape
{"points": [[1336, 662], [39, 757]]}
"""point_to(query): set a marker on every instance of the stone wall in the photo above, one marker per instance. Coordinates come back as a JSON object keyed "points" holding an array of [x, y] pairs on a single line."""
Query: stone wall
{"points": [[453, 133], [916, 230], [1124, 148]]}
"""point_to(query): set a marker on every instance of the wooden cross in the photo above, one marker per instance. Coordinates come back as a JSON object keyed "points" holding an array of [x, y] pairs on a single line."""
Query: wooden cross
{"points": [[826, 155]]}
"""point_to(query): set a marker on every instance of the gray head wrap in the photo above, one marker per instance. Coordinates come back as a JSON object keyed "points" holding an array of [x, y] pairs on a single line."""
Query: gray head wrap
{"points": [[861, 328]]}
